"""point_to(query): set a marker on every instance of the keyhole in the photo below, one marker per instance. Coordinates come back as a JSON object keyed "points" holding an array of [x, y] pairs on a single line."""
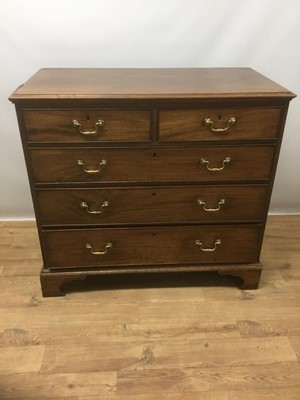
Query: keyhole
{"points": [[219, 117], [87, 118], [154, 155], [153, 194]]}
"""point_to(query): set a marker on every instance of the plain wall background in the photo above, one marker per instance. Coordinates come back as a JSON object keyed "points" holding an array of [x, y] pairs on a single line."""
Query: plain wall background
{"points": [[262, 34]]}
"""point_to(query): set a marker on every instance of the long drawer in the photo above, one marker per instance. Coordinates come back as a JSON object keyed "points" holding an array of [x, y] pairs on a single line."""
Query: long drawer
{"points": [[151, 246], [87, 125], [206, 163], [151, 205], [219, 124]]}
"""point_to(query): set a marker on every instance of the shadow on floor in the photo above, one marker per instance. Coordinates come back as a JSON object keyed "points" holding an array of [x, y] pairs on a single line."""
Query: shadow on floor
{"points": [[151, 280]]}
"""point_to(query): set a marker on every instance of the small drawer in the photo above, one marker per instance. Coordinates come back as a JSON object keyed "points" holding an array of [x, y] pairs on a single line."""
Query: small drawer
{"points": [[207, 163], [87, 125], [219, 124], [108, 247], [158, 205]]}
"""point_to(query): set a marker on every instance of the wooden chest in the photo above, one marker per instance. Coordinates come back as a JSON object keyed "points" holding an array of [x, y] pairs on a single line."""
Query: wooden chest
{"points": [[150, 170]]}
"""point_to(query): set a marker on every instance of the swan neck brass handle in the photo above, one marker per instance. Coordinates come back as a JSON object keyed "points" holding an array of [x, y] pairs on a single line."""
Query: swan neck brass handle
{"points": [[101, 165], [205, 162], [209, 249], [99, 124], [107, 248], [203, 204], [210, 123], [83, 204]]}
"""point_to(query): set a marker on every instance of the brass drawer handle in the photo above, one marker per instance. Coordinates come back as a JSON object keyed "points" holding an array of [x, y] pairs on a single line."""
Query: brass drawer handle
{"points": [[101, 165], [205, 162], [200, 244], [98, 124], [107, 248], [83, 204], [210, 123], [203, 204]]}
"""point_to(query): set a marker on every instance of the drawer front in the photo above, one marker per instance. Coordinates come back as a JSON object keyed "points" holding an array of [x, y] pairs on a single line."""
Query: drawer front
{"points": [[87, 125], [151, 205], [151, 246], [219, 124], [211, 163]]}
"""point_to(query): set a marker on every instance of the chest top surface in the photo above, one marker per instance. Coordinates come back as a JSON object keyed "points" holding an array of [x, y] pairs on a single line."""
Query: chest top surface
{"points": [[148, 83]]}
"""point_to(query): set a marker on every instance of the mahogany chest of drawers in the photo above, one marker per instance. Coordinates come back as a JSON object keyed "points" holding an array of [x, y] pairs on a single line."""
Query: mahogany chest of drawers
{"points": [[150, 170]]}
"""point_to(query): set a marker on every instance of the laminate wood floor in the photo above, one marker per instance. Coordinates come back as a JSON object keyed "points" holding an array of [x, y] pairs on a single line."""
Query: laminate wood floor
{"points": [[179, 337]]}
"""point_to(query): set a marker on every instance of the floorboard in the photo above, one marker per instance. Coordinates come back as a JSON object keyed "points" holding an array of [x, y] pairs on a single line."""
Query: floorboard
{"points": [[167, 337]]}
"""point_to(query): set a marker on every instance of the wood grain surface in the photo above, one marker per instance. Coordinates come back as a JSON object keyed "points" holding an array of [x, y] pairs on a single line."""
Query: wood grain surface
{"points": [[134, 247], [250, 124], [143, 83], [56, 125], [151, 205], [176, 337], [158, 164]]}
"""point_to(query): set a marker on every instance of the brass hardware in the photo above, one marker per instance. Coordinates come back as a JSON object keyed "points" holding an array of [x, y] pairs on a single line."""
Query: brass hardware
{"points": [[205, 162], [83, 204], [107, 248], [210, 123], [102, 164], [98, 124], [203, 204], [200, 244]]}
